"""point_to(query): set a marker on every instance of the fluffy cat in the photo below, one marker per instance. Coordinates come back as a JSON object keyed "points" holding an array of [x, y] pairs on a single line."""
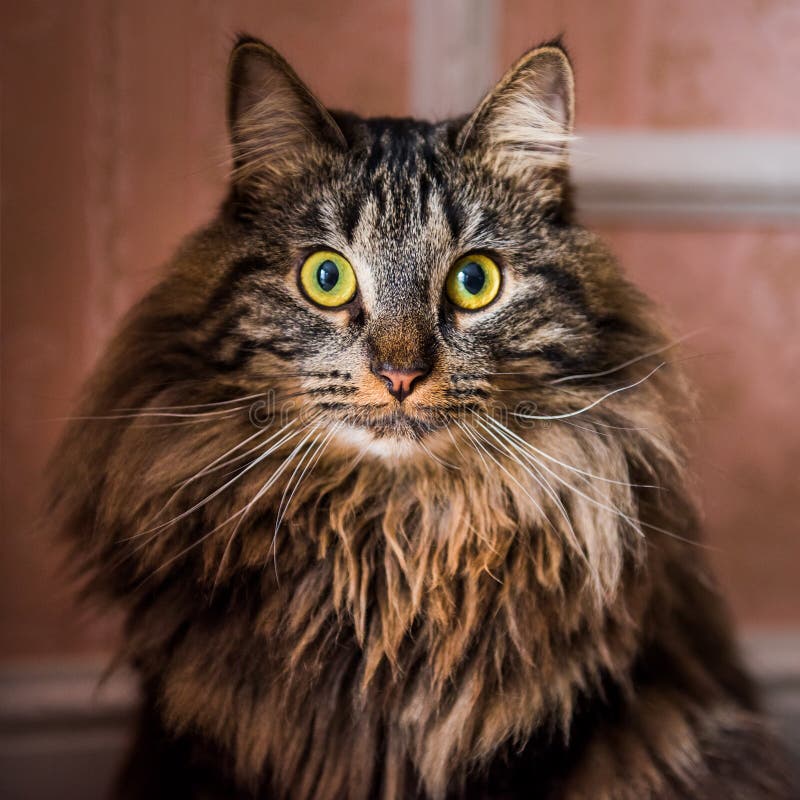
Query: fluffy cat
{"points": [[383, 477]]}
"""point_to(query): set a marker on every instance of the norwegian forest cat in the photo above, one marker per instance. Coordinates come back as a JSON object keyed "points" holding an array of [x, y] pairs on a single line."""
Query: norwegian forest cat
{"points": [[383, 478]]}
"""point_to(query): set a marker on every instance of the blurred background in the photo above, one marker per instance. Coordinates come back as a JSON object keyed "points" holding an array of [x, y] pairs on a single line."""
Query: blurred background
{"points": [[113, 149]]}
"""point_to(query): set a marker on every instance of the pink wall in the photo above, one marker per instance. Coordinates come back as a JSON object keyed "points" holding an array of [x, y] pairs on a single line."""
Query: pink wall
{"points": [[740, 289], [113, 149], [709, 64]]}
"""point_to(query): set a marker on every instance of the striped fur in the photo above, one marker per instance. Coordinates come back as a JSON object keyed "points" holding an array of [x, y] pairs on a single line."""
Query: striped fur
{"points": [[496, 590]]}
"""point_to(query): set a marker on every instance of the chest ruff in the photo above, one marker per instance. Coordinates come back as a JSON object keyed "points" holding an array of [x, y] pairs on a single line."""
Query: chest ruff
{"points": [[396, 640]]}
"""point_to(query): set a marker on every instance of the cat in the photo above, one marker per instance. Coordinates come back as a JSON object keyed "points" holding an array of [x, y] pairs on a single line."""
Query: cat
{"points": [[385, 477]]}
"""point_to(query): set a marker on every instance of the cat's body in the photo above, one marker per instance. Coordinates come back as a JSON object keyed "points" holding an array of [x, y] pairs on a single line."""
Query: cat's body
{"points": [[461, 560]]}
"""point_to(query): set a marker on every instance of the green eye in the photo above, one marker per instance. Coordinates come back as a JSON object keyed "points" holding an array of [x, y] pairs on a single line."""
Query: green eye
{"points": [[328, 279], [473, 282]]}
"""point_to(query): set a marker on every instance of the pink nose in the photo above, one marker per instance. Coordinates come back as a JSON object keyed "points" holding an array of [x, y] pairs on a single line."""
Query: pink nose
{"points": [[400, 382]]}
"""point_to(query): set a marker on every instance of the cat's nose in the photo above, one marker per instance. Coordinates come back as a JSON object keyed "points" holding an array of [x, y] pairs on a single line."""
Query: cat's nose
{"points": [[400, 382]]}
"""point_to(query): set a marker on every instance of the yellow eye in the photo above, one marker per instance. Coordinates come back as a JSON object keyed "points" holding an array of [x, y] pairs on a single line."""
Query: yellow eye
{"points": [[328, 279], [473, 282]]}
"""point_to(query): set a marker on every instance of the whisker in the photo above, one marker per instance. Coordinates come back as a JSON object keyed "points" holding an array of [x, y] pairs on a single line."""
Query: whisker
{"points": [[468, 429], [255, 499], [181, 423], [215, 465], [526, 444], [599, 423], [147, 414], [271, 481], [240, 514], [464, 431], [630, 361], [592, 404], [307, 470], [218, 491], [453, 439], [587, 428], [435, 458], [548, 489], [637, 525], [195, 405], [283, 504]]}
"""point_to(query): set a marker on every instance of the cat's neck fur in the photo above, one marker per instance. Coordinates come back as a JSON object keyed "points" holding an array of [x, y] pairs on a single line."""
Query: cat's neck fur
{"points": [[418, 596]]}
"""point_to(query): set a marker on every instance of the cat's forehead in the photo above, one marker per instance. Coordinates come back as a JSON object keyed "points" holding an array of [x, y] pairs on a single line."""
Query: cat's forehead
{"points": [[396, 144], [393, 206]]}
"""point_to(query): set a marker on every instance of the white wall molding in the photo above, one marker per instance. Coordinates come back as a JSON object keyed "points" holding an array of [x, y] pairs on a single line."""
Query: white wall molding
{"points": [[64, 692], [705, 178], [63, 731], [621, 176], [453, 55]]}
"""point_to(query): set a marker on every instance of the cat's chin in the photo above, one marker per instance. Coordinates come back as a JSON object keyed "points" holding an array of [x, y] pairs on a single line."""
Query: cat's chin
{"points": [[388, 444]]}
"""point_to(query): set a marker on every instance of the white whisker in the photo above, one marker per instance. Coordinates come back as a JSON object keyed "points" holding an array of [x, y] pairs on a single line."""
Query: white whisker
{"points": [[275, 475], [542, 481], [242, 512], [308, 468], [214, 466], [470, 431], [435, 458], [218, 491], [160, 414], [627, 363], [570, 467], [637, 525], [595, 402], [195, 405], [283, 503]]}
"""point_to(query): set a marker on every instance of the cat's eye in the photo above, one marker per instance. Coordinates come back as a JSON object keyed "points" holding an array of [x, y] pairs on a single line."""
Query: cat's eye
{"points": [[473, 282], [328, 279]]}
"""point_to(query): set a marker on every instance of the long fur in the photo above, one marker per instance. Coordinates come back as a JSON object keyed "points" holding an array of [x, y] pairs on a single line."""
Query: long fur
{"points": [[498, 590]]}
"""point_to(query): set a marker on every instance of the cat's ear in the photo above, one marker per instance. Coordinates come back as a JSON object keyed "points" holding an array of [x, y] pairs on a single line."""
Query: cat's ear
{"points": [[275, 123], [526, 121]]}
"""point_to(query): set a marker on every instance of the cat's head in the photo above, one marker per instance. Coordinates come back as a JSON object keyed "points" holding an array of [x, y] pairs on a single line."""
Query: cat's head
{"points": [[405, 274], [387, 300]]}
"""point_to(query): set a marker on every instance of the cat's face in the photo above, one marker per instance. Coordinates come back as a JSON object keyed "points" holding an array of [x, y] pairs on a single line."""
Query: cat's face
{"points": [[414, 273], [397, 234]]}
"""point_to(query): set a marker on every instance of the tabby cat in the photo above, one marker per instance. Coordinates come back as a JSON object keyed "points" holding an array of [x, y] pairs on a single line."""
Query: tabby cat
{"points": [[383, 476]]}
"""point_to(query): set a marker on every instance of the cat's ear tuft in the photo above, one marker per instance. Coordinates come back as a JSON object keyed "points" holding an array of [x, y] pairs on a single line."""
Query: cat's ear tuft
{"points": [[275, 123], [526, 121]]}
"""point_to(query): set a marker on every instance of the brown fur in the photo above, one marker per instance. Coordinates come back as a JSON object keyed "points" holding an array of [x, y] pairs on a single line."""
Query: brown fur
{"points": [[456, 600]]}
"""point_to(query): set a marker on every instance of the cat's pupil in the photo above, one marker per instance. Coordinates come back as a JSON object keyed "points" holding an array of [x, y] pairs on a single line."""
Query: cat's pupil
{"points": [[472, 277], [327, 275]]}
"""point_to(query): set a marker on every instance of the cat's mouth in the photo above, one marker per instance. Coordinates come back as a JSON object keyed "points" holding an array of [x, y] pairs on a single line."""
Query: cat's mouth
{"points": [[399, 434], [401, 424], [398, 423]]}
